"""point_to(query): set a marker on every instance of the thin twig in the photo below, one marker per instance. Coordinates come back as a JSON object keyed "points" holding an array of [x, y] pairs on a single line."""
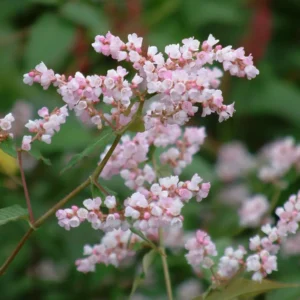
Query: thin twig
{"points": [[26, 193], [100, 187], [63, 201], [16, 251], [106, 120], [58, 205], [165, 266]]}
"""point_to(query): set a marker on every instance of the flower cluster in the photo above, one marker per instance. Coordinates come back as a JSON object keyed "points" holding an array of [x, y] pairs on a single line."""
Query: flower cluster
{"points": [[5, 127], [180, 156], [160, 206], [180, 79], [264, 260], [279, 157], [291, 246], [45, 128], [271, 163], [200, 249], [82, 93], [253, 210], [234, 161], [72, 217], [115, 248], [126, 157], [165, 91], [231, 262]]}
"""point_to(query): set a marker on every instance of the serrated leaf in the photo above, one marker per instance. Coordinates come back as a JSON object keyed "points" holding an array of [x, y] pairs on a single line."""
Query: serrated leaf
{"points": [[146, 263], [107, 133], [50, 41], [245, 287], [12, 213], [9, 147], [86, 15]]}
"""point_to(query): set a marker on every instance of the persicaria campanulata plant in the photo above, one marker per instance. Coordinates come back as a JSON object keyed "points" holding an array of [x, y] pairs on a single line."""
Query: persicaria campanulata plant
{"points": [[154, 99]]}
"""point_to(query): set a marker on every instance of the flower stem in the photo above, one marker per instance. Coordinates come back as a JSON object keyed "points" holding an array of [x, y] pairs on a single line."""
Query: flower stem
{"points": [[16, 251], [165, 266], [77, 190], [26, 193], [100, 187], [58, 205]]}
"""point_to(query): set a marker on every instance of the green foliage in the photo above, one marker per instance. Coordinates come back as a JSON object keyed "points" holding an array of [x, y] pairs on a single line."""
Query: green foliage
{"points": [[245, 287], [146, 263], [12, 213], [46, 30], [201, 12], [36, 153], [50, 41], [86, 15], [105, 136], [8, 146]]}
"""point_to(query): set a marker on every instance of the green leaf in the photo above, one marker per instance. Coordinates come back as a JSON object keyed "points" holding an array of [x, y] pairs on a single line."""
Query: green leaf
{"points": [[36, 153], [9, 147], [12, 213], [148, 260], [50, 41], [269, 96], [102, 140], [245, 287], [86, 15]]}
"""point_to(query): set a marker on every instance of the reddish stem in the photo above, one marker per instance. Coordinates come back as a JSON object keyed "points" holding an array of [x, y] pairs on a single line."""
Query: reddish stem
{"points": [[26, 193]]}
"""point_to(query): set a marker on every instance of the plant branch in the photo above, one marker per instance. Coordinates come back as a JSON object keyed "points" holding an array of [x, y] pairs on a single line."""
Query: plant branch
{"points": [[26, 193], [100, 187], [165, 266], [63, 201], [104, 161], [59, 204], [16, 251]]}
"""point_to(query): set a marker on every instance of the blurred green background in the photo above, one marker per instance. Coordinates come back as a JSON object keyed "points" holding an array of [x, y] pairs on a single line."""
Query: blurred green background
{"points": [[60, 33]]}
